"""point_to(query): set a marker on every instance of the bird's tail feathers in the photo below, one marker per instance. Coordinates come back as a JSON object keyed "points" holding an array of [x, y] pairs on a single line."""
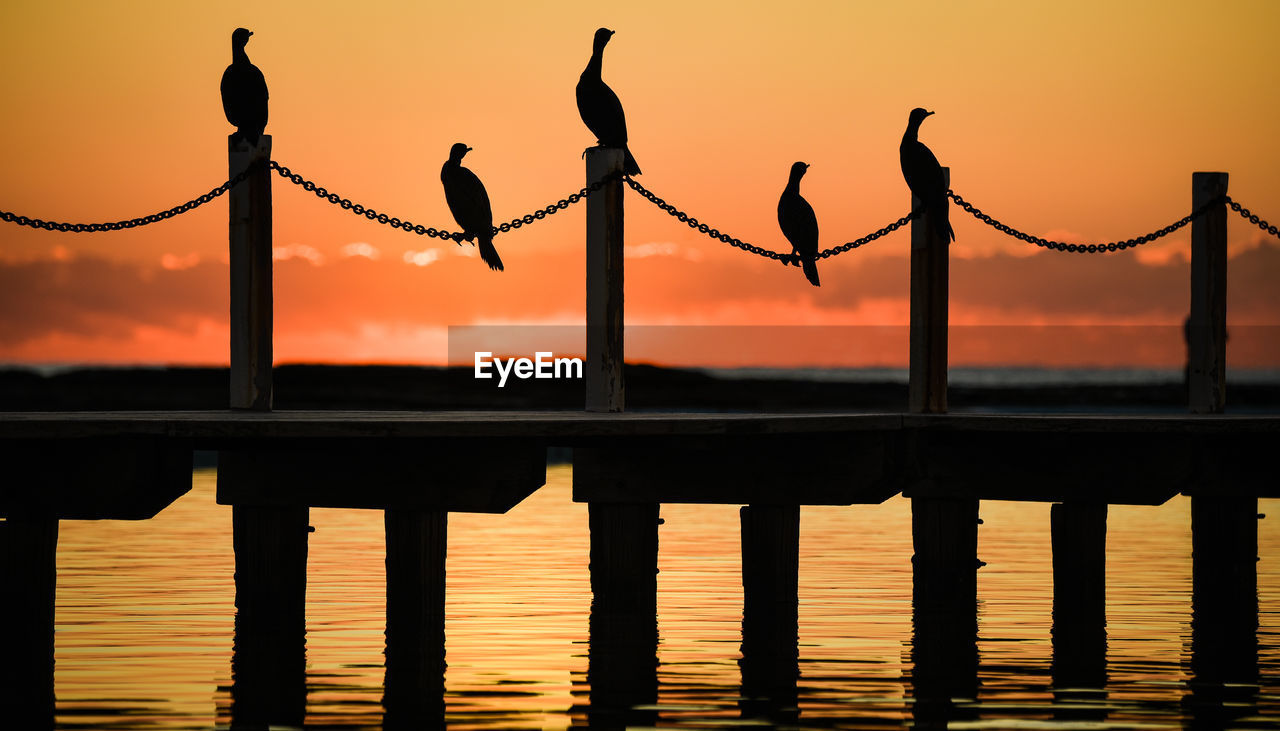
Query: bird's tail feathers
{"points": [[490, 254], [629, 165], [943, 209], [811, 271]]}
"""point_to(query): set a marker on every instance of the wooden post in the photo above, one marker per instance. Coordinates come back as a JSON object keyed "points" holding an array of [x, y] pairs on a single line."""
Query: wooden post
{"points": [[770, 624], [416, 547], [251, 312], [1224, 529], [603, 375], [1079, 537], [944, 529], [28, 577], [929, 281], [1208, 336], [268, 666]]}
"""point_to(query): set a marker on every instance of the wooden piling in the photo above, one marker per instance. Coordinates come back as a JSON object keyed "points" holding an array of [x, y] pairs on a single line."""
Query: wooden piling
{"points": [[944, 529], [770, 613], [1224, 528], [250, 254], [416, 548], [1079, 540], [269, 659], [269, 664], [28, 577], [622, 667], [603, 376]]}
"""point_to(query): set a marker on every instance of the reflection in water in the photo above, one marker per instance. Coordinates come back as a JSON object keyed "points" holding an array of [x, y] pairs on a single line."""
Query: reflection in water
{"points": [[145, 621]]}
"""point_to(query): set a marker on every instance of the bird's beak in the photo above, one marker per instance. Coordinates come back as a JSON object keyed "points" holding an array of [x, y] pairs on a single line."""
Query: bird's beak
{"points": [[928, 114], [468, 149], [250, 32], [611, 33]]}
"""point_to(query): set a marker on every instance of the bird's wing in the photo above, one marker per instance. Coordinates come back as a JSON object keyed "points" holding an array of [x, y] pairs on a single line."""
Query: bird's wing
{"points": [[230, 105], [799, 223], [256, 93], [923, 172], [468, 200], [601, 111]]}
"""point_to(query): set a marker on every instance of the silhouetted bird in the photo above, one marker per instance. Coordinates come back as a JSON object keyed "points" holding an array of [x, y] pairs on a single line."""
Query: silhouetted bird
{"points": [[599, 106], [244, 91], [799, 224], [469, 204], [924, 174]]}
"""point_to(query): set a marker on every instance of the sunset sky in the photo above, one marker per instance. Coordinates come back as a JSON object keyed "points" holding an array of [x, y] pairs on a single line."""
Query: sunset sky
{"points": [[1079, 121]]}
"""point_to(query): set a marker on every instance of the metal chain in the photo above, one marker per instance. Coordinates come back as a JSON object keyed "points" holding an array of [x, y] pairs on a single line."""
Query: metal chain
{"points": [[1252, 217], [752, 248], [360, 210], [559, 205], [411, 227], [178, 210], [1080, 248]]}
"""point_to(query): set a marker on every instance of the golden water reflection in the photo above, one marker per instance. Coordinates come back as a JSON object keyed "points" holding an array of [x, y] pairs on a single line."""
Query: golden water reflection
{"points": [[145, 617]]}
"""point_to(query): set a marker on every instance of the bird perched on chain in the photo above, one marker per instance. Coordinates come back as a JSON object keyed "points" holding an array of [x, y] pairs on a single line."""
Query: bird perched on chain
{"points": [[924, 174], [469, 204], [599, 106], [244, 91], [799, 224]]}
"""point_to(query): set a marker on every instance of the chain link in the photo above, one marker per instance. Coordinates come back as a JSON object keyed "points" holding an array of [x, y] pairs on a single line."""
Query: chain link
{"points": [[411, 227], [1252, 217], [177, 210], [558, 206], [752, 248], [1081, 248], [361, 210]]}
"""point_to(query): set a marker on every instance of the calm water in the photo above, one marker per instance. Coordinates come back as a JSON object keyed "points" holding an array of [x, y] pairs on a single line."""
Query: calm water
{"points": [[145, 618]]}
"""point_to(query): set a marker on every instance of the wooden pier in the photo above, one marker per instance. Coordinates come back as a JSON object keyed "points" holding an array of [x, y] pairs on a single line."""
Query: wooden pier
{"points": [[418, 467]]}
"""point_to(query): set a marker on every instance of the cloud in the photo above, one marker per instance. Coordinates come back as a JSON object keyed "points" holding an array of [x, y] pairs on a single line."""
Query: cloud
{"points": [[360, 248], [298, 251], [661, 248], [140, 312], [422, 258], [173, 262]]}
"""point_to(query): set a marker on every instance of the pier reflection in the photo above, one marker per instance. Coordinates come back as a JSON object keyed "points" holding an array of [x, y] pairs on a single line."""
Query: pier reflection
{"points": [[1224, 611], [622, 670], [944, 667]]}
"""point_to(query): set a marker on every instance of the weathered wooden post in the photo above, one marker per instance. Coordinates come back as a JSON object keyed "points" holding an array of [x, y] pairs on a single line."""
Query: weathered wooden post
{"points": [[1224, 528], [28, 575], [624, 537], [944, 528], [269, 665], [604, 377], [251, 305]]}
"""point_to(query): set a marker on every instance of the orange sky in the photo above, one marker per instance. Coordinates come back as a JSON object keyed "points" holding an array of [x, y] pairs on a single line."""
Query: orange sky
{"points": [[1081, 121]]}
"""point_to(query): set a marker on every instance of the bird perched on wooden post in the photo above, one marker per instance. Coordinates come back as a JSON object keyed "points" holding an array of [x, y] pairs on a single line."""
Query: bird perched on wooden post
{"points": [[600, 108], [469, 203], [244, 91], [924, 174], [799, 224]]}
